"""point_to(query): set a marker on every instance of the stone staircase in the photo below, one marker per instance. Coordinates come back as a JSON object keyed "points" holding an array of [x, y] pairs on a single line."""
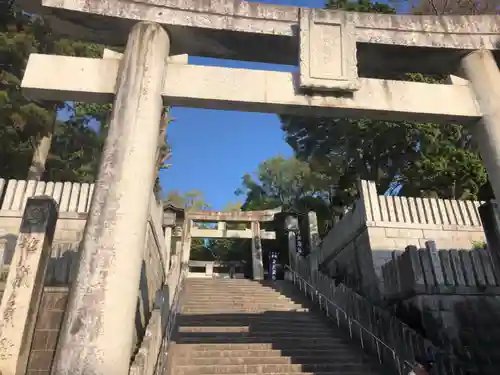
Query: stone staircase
{"points": [[247, 327]]}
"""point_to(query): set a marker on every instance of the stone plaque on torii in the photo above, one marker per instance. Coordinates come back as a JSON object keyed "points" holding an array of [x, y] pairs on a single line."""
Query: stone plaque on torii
{"points": [[337, 53]]}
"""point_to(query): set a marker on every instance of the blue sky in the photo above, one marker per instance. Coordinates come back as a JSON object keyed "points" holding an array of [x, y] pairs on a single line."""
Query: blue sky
{"points": [[212, 150]]}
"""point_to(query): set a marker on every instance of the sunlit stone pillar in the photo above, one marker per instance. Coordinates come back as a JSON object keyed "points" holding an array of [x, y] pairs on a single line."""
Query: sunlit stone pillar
{"points": [[257, 262], [97, 334], [186, 241], [168, 246], [314, 240], [481, 70]]}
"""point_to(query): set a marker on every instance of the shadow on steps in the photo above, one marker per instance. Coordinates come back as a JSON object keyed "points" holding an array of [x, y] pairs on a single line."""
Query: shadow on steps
{"points": [[270, 342]]}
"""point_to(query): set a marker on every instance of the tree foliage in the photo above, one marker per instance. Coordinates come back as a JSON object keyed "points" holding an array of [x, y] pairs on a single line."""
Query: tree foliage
{"points": [[290, 184], [77, 137], [23, 122], [391, 153], [455, 7]]}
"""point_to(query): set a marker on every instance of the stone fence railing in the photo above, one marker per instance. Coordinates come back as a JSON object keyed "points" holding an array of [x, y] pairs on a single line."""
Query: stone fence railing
{"points": [[395, 222], [394, 343], [71, 197], [341, 235], [73, 202], [428, 211], [428, 271]]}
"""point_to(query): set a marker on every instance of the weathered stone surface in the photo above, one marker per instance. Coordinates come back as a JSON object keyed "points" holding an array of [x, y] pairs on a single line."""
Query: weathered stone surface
{"points": [[327, 51], [24, 285], [48, 324], [93, 80], [238, 30], [103, 300], [481, 69], [468, 323], [257, 262]]}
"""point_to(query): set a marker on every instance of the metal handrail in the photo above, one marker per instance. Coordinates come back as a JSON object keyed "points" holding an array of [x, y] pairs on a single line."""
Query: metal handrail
{"points": [[172, 316], [401, 365]]}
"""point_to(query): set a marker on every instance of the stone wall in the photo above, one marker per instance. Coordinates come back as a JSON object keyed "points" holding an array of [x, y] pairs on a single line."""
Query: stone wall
{"points": [[429, 271], [387, 223], [74, 202], [47, 328], [453, 297]]}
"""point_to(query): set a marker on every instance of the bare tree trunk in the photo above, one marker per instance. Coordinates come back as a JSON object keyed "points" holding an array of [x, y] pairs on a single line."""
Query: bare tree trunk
{"points": [[41, 153], [39, 160]]}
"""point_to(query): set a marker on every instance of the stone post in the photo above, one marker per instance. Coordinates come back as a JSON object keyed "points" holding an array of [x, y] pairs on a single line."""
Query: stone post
{"points": [[291, 226], [186, 241], [209, 269], [314, 241], [98, 330], [481, 69], [221, 226], [167, 233], [24, 286], [257, 263]]}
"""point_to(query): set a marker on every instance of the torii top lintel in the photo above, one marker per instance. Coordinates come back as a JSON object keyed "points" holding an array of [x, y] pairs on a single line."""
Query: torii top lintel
{"points": [[238, 216], [239, 30]]}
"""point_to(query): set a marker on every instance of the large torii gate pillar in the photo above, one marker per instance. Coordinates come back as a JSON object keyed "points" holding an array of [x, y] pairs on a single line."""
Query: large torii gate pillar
{"points": [[97, 334], [481, 70]]}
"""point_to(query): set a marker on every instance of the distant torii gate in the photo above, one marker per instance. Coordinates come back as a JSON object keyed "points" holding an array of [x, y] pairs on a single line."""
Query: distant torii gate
{"points": [[335, 52], [255, 218]]}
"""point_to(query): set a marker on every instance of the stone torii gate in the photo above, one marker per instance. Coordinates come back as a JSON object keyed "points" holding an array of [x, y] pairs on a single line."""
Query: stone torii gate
{"points": [[255, 218], [335, 51]]}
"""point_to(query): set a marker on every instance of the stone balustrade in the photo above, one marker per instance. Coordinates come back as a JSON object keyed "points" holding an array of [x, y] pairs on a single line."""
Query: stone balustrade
{"points": [[364, 240], [74, 201], [429, 271]]}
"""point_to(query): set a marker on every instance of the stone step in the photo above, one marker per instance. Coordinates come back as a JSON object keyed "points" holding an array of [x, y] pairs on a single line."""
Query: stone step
{"points": [[255, 323], [223, 281], [229, 310], [281, 329], [239, 311], [215, 305], [269, 317], [224, 292], [269, 368], [236, 293], [237, 298], [233, 288], [279, 360], [257, 334], [235, 282], [279, 342], [282, 346], [341, 372], [192, 351]]}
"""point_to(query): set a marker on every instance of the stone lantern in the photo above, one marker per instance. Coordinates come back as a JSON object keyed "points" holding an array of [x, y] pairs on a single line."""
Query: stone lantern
{"points": [[169, 215]]}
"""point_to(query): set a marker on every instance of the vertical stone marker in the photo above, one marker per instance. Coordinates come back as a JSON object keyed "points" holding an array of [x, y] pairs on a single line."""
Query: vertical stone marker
{"points": [[98, 329], [24, 286], [257, 262]]}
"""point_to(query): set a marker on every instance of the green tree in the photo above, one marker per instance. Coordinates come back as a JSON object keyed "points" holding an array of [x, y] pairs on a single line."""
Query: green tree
{"points": [[27, 127], [290, 184], [230, 249], [387, 152], [75, 153], [448, 7], [193, 201], [101, 113]]}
